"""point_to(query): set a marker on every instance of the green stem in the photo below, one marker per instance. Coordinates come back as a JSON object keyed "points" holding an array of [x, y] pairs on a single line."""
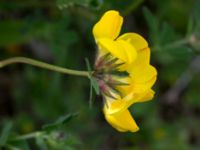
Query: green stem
{"points": [[27, 136], [40, 64], [171, 45], [177, 43]]}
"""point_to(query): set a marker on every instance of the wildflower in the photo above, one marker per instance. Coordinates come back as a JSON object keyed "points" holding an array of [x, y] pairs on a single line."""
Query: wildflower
{"points": [[123, 71]]}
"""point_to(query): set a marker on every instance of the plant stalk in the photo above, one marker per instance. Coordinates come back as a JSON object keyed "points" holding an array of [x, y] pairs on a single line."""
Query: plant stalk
{"points": [[44, 65]]}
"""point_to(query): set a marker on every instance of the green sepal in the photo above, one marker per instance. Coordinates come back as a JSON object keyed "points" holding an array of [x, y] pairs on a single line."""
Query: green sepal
{"points": [[118, 83], [111, 61], [114, 90], [120, 73], [93, 80], [117, 65], [108, 94], [91, 95], [95, 85]]}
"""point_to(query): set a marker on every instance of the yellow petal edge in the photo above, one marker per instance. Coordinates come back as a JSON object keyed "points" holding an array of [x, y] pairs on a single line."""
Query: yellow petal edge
{"points": [[122, 121], [109, 25]]}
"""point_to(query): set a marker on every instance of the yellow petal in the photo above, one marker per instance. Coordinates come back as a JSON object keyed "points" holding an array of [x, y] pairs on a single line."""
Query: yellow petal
{"points": [[139, 82], [148, 96], [109, 25], [136, 92], [135, 39], [143, 57], [118, 104], [141, 46], [143, 87], [119, 49], [141, 92], [133, 93], [115, 105], [140, 69], [142, 60], [121, 121], [143, 74]]}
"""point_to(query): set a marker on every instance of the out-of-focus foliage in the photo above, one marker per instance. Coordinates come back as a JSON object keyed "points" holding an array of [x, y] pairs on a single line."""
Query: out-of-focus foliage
{"points": [[51, 136], [60, 32]]}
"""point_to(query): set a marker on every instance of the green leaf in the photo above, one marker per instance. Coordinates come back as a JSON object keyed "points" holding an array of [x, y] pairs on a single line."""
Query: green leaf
{"points": [[21, 31], [153, 25], [13, 32], [5, 133], [19, 145], [65, 119], [41, 143], [59, 122], [50, 127], [167, 34]]}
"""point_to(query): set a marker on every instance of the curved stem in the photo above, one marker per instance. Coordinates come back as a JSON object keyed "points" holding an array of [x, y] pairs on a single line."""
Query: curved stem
{"points": [[40, 64]]}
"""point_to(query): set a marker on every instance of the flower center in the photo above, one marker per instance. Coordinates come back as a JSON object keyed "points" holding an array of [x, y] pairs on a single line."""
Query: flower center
{"points": [[108, 75]]}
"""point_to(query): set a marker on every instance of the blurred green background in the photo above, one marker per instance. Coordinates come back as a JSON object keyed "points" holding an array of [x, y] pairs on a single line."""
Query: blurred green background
{"points": [[60, 32]]}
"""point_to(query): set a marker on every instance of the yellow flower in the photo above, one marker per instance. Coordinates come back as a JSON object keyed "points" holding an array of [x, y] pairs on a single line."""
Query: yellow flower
{"points": [[127, 53]]}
